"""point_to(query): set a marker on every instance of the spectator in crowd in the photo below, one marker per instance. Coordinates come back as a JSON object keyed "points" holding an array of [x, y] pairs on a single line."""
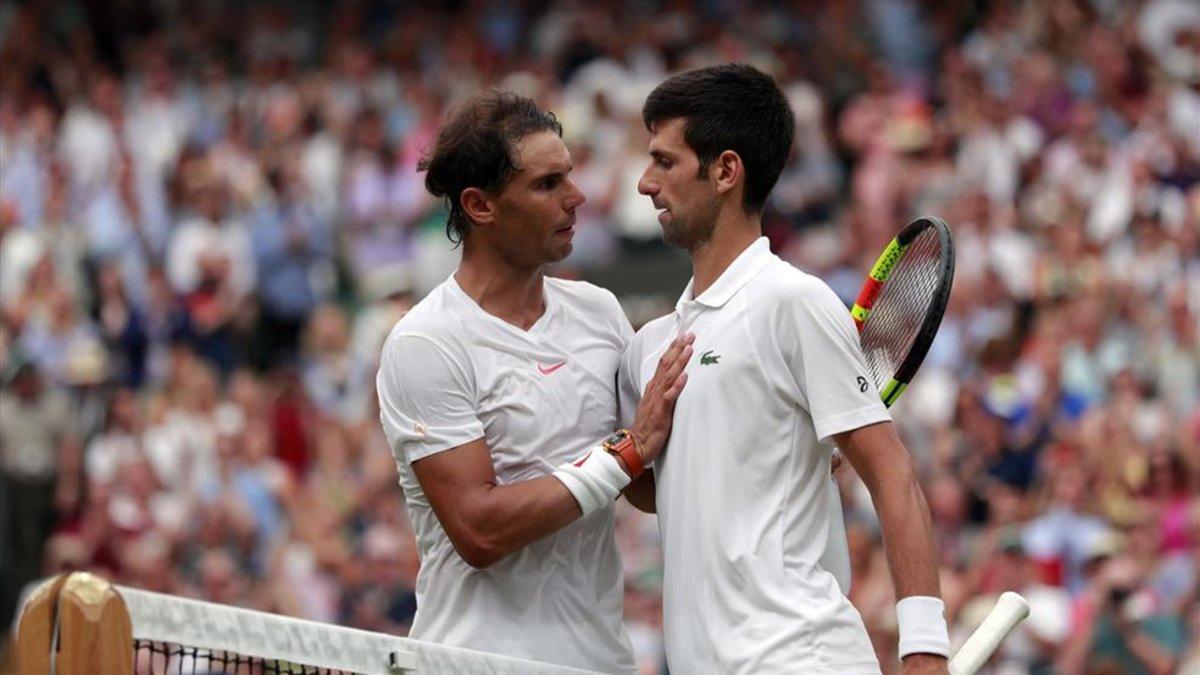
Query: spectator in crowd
{"points": [[1119, 627], [38, 455], [293, 246]]}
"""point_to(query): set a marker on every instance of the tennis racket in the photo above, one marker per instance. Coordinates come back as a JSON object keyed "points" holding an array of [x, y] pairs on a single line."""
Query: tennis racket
{"points": [[901, 303], [1010, 610]]}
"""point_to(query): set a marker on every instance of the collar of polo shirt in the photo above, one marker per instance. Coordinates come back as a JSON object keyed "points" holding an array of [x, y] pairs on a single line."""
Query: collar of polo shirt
{"points": [[740, 271]]}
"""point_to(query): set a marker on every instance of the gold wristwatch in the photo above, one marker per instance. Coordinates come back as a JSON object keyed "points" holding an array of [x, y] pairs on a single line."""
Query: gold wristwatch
{"points": [[624, 446]]}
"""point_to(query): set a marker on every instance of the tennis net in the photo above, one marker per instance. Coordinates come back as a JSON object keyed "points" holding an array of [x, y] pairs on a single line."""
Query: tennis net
{"points": [[173, 635]]}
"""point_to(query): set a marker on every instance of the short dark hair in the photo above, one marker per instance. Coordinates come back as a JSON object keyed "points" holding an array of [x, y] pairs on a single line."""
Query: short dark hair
{"points": [[730, 107], [476, 148]]}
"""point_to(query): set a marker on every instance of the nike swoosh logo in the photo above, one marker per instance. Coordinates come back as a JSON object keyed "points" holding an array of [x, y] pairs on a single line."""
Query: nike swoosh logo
{"points": [[546, 370]]}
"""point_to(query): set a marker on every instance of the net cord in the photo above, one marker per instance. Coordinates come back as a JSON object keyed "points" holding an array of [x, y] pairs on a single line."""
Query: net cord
{"points": [[270, 637]]}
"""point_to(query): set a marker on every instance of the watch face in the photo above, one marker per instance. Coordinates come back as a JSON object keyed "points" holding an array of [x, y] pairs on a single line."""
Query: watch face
{"points": [[615, 438]]}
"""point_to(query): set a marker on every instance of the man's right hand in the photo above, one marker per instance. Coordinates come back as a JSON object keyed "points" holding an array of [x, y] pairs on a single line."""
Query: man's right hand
{"points": [[652, 424]]}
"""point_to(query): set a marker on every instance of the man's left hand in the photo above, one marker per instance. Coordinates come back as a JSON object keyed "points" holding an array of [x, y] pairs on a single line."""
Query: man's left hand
{"points": [[924, 664]]}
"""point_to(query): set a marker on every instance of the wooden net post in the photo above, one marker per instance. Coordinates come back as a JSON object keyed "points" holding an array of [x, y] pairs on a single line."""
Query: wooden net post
{"points": [[75, 624], [36, 629]]}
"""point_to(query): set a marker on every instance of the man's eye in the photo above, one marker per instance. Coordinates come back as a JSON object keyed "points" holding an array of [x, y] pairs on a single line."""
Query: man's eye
{"points": [[663, 163]]}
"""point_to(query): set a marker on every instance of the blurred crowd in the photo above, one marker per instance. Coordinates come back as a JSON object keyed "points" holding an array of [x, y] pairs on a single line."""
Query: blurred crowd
{"points": [[210, 217]]}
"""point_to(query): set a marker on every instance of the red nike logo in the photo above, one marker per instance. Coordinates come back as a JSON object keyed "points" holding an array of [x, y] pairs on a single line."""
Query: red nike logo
{"points": [[546, 370]]}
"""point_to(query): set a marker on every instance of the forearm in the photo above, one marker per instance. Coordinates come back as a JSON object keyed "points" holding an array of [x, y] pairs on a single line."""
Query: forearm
{"points": [[876, 453], [907, 536], [500, 519], [885, 467], [641, 493]]}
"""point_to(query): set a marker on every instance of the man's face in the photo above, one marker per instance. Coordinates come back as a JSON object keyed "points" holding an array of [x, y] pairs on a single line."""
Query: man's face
{"points": [[535, 212], [687, 200]]}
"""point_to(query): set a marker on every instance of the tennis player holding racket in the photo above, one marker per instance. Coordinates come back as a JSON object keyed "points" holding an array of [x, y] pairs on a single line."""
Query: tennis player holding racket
{"points": [[777, 378]]}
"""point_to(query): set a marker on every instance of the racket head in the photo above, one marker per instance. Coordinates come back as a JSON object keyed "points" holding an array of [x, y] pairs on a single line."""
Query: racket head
{"points": [[902, 302]]}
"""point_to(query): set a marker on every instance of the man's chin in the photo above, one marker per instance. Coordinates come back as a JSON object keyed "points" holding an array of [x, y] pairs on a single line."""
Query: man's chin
{"points": [[689, 235], [676, 236], [560, 253]]}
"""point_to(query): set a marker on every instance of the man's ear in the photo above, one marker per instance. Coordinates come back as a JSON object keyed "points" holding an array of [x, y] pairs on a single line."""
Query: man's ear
{"points": [[478, 206], [727, 171]]}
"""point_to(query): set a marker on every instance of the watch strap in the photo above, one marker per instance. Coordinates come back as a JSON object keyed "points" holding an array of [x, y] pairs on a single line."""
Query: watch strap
{"points": [[625, 447]]}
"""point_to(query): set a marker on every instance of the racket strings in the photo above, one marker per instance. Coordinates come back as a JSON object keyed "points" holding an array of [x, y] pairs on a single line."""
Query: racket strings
{"points": [[899, 311]]}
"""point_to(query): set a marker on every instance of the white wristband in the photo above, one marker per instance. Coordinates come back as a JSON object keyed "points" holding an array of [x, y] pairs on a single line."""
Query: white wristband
{"points": [[596, 481], [922, 623]]}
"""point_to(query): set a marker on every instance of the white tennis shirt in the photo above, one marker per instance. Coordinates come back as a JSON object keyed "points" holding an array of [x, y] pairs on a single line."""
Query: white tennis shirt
{"points": [[452, 373], [743, 484]]}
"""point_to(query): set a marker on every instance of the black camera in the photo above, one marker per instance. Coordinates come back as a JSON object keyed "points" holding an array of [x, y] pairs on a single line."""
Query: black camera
{"points": [[1117, 596]]}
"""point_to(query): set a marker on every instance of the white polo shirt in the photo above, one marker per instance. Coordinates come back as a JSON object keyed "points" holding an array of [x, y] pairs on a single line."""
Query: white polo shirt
{"points": [[452, 373], [743, 484]]}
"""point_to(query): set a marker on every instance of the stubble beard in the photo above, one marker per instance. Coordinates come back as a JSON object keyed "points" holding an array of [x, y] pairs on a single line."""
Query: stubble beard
{"points": [[694, 231]]}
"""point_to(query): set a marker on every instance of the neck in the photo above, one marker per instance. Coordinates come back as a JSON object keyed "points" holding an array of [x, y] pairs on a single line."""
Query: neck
{"points": [[508, 292], [734, 233]]}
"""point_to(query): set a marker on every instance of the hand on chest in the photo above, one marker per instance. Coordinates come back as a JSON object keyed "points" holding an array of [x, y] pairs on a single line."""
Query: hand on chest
{"points": [[722, 357]]}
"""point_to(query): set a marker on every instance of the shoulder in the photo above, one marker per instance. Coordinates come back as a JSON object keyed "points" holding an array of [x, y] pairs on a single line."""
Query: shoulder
{"points": [[584, 295], [650, 336], [654, 330], [647, 339], [591, 306], [783, 280], [427, 351], [782, 288], [434, 319]]}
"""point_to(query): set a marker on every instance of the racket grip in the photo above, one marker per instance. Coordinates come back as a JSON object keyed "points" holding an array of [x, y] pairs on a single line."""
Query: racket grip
{"points": [[1010, 610]]}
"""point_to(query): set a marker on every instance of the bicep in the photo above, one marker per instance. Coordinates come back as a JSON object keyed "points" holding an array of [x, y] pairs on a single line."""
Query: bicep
{"points": [[483, 520], [876, 453], [454, 481]]}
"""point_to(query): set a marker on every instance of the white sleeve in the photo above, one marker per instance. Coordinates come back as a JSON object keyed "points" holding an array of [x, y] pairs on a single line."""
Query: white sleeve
{"points": [[629, 390], [426, 398], [623, 327], [826, 360]]}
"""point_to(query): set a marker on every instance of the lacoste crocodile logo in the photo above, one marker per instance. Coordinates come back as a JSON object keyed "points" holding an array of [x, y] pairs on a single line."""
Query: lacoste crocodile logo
{"points": [[708, 358]]}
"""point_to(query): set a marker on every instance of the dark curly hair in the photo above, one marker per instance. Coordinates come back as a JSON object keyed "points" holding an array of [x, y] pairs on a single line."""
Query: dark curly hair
{"points": [[475, 148]]}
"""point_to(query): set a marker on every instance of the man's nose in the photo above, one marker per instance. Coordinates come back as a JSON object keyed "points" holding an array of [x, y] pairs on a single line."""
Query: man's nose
{"points": [[575, 198], [647, 186]]}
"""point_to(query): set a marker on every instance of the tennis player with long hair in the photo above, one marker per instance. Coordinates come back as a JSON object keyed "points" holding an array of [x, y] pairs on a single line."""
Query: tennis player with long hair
{"points": [[777, 379], [498, 397]]}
